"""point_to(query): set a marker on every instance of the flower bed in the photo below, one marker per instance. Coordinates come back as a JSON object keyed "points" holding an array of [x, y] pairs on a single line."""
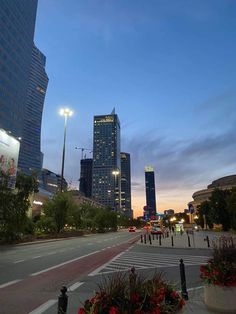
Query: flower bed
{"points": [[219, 276], [121, 294]]}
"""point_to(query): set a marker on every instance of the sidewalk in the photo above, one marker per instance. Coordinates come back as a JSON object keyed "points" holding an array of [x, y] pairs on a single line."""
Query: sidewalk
{"points": [[196, 240], [195, 304]]}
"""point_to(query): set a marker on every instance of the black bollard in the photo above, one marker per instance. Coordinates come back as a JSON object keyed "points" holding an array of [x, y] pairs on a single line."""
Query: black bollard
{"points": [[208, 242], [160, 239], [157, 236], [167, 234], [172, 241], [184, 291], [145, 239], [141, 238], [189, 244], [150, 239], [62, 301]]}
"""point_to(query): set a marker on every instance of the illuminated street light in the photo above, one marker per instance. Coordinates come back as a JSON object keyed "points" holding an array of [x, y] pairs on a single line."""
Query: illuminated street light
{"points": [[182, 220], [66, 112], [115, 174]]}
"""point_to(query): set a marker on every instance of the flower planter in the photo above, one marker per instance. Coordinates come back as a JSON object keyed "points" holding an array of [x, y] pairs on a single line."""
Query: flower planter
{"points": [[220, 299]]}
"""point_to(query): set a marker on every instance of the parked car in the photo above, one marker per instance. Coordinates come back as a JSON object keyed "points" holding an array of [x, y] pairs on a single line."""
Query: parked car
{"points": [[132, 229]]}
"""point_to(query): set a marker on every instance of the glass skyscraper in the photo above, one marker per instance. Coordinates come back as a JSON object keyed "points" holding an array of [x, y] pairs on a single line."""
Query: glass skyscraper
{"points": [[125, 184], [150, 191], [85, 181], [30, 158], [23, 80], [106, 160]]}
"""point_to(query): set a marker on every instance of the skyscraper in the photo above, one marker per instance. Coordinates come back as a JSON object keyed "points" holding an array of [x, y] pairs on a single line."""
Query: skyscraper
{"points": [[125, 183], [86, 178], [17, 24], [23, 80], [106, 160], [150, 191], [30, 154]]}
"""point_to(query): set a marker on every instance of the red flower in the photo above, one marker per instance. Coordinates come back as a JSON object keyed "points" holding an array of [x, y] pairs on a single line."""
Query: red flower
{"points": [[81, 311], [174, 295], [113, 310], [156, 311]]}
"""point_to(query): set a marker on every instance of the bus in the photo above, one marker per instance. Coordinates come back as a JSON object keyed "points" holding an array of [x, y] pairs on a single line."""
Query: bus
{"points": [[154, 227]]}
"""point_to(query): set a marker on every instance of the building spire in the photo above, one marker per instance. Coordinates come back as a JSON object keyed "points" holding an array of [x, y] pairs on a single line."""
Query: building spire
{"points": [[113, 111]]}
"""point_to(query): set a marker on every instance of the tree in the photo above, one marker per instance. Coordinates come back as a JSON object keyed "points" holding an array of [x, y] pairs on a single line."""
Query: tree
{"points": [[204, 213], [219, 211], [231, 207], [58, 209], [14, 205]]}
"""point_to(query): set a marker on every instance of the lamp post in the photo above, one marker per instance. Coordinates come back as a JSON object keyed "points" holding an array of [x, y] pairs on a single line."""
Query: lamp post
{"points": [[66, 113], [116, 173]]}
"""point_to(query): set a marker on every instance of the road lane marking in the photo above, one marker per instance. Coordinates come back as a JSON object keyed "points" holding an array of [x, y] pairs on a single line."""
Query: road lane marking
{"points": [[62, 264], [96, 271], [36, 256], [75, 286], [45, 306], [9, 283], [19, 261]]}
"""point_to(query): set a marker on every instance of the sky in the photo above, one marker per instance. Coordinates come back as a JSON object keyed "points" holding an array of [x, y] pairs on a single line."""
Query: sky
{"points": [[168, 68]]}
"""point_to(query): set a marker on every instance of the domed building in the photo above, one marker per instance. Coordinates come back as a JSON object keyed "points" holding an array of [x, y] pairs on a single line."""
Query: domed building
{"points": [[224, 183]]}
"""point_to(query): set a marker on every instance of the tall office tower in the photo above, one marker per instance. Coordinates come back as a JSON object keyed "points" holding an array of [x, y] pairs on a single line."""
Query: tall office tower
{"points": [[86, 178], [23, 80], [150, 191], [125, 184], [30, 157], [106, 160], [16, 43]]}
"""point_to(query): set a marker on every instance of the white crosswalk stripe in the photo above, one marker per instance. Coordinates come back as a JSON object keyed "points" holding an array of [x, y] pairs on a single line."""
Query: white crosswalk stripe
{"points": [[139, 260]]}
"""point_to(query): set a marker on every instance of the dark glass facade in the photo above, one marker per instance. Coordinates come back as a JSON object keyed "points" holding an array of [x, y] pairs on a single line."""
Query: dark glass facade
{"points": [[86, 170], [106, 159], [30, 158], [17, 22], [125, 183], [150, 192], [23, 81]]}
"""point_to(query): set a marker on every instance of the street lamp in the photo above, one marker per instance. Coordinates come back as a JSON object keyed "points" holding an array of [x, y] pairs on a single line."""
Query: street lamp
{"points": [[66, 113], [116, 173]]}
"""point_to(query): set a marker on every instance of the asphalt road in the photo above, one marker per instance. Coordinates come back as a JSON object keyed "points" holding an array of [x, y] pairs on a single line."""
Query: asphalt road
{"points": [[31, 275]]}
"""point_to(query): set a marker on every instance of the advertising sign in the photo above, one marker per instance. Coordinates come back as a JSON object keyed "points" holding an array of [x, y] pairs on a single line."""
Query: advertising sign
{"points": [[9, 152], [191, 208]]}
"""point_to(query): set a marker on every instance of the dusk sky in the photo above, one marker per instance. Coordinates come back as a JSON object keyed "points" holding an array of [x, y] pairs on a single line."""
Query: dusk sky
{"points": [[169, 69]]}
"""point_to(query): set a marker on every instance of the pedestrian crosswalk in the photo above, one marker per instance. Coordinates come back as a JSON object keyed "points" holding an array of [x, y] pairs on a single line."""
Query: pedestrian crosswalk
{"points": [[126, 260]]}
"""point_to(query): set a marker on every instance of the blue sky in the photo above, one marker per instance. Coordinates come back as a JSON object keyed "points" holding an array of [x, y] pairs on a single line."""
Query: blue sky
{"points": [[169, 69]]}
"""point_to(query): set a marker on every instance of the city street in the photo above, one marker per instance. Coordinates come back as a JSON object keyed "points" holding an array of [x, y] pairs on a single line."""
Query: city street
{"points": [[32, 275]]}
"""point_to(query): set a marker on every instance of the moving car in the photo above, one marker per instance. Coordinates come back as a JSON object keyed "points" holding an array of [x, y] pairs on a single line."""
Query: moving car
{"points": [[132, 229], [156, 230]]}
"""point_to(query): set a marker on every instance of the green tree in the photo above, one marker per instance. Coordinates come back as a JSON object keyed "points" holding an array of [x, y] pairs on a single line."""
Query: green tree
{"points": [[58, 208], [204, 210], [219, 211], [231, 207], [14, 205]]}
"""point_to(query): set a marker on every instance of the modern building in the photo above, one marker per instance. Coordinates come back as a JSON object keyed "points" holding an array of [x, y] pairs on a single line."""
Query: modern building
{"points": [[86, 176], [169, 212], [150, 208], [106, 160], [125, 184], [23, 80], [30, 158], [224, 183], [51, 181]]}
